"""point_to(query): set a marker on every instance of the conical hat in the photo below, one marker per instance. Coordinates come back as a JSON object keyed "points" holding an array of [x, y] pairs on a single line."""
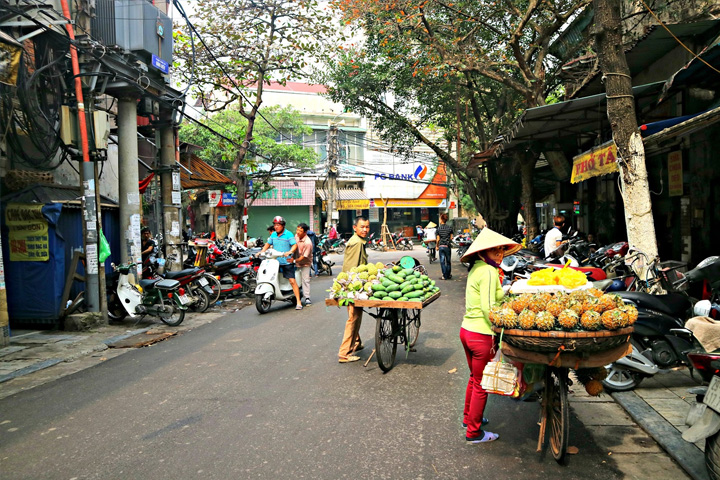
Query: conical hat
{"points": [[431, 225], [490, 239]]}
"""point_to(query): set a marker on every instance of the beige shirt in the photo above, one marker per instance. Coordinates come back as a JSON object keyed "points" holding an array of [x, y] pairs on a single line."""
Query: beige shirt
{"points": [[304, 250]]}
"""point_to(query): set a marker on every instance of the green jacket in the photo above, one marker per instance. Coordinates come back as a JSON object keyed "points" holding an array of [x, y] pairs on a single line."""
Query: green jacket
{"points": [[355, 253], [482, 291]]}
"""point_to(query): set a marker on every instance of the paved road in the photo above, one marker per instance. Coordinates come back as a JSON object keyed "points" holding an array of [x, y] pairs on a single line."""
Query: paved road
{"points": [[262, 396]]}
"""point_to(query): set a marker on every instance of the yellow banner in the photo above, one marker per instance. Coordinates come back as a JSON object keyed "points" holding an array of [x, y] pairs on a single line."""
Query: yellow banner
{"points": [[598, 161], [361, 204], [364, 204], [28, 233]]}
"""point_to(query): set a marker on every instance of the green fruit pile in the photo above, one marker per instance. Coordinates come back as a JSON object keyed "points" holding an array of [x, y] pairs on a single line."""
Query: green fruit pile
{"points": [[376, 282]]}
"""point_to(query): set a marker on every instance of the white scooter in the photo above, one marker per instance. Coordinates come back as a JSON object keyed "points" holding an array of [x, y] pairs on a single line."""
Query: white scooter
{"points": [[271, 285]]}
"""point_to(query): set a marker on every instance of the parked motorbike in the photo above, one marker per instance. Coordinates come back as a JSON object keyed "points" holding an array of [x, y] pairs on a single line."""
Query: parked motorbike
{"points": [[271, 284], [324, 265], [156, 297], [660, 340], [196, 286]]}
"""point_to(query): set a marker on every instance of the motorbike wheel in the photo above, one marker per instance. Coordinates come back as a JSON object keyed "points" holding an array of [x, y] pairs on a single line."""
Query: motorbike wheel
{"points": [[620, 379], [116, 311], [202, 301], [262, 305], [340, 248], [174, 318], [712, 456]]}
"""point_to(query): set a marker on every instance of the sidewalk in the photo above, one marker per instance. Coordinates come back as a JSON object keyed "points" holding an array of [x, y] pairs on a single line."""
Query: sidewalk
{"points": [[660, 405]]}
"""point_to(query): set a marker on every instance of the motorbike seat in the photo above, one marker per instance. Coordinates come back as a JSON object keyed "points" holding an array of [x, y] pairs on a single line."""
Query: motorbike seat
{"points": [[147, 283], [225, 263], [238, 271], [182, 273], [674, 304], [244, 260]]}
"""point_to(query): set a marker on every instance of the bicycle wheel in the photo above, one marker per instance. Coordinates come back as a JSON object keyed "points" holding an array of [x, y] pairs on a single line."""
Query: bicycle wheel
{"points": [[215, 285], [411, 319], [385, 340], [558, 411]]}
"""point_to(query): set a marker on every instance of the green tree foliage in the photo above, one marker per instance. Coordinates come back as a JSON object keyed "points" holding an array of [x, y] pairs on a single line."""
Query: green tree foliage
{"points": [[469, 67]]}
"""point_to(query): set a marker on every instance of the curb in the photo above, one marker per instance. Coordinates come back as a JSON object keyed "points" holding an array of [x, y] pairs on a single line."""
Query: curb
{"points": [[30, 369], [687, 455]]}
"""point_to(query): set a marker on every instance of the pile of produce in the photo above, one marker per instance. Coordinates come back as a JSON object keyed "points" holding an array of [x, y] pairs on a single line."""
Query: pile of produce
{"points": [[580, 310], [567, 277], [375, 281]]}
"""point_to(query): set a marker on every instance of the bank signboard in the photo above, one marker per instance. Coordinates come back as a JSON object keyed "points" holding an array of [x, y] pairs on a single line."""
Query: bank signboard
{"points": [[392, 179]]}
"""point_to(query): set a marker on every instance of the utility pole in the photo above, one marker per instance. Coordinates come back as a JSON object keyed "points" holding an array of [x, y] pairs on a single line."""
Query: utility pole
{"points": [[130, 250], [333, 153], [170, 181]]}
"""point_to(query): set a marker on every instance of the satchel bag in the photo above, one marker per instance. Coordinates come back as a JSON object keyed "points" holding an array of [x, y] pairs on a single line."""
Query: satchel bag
{"points": [[500, 377]]}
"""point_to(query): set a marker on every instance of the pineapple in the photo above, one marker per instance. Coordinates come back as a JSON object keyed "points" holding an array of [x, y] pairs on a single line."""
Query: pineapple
{"points": [[545, 320], [631, 312], [595, 292], [508, 318], [521, 302], [607, 302], [539, 301], [591, 303], [568, 319], [555, 306], [562, 298], [575, 305], [527, 319], [590, 320], [614, 319], [494, 315]]}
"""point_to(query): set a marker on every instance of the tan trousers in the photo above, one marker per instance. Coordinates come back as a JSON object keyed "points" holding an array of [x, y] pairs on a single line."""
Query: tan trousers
{"points": [[351, 338], [305, 277]]}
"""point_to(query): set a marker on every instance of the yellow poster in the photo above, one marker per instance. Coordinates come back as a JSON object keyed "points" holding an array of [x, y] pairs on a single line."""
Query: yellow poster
{"points": [[675, 174], [600, 160], [28, 236]]}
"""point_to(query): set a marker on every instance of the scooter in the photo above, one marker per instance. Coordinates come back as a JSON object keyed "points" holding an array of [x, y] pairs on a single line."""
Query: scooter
{"points": [[324, 266], [156, 297], [660, 340], [271, 285]]}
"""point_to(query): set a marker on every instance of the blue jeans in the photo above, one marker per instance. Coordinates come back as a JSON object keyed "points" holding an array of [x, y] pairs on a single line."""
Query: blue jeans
{"points": [[445, 254]]}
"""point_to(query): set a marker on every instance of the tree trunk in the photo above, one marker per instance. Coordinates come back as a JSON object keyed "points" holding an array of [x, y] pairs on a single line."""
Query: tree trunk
{"points": [[621, 114], [527, 168]]}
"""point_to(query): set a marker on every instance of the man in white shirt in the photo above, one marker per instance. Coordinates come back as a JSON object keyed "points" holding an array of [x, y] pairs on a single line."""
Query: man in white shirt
{"points": [[553, 238]]}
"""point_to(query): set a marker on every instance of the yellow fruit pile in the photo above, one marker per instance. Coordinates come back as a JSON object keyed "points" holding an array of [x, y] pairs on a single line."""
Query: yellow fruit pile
{"points": [[567, 277], [580, 310]]}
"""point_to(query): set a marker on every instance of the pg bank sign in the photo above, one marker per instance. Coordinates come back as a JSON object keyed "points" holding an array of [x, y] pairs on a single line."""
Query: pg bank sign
{"points": [[400, 181]]}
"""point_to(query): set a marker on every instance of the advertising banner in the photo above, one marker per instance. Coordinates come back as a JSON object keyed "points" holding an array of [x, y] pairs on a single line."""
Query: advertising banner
{"points": [[405, 180], [675, 174], [28, 233], [600, 160]]}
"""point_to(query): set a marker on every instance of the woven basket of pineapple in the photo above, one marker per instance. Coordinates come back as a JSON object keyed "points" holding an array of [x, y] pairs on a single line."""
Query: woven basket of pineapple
{"points": [[584, 321]]}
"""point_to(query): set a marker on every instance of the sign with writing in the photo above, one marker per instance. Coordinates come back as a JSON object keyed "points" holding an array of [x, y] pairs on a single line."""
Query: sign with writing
{"points": [[675, 174], [160, 64], [176, 181], [284, 193], [214, 197], [600, 160], [228, 199], [28, 233]]}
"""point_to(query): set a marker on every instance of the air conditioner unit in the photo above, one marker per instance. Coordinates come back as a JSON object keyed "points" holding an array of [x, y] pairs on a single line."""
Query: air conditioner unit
{"points": [[133, 25]]}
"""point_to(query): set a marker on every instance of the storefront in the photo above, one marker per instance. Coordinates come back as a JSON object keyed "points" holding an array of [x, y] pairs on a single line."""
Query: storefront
{"points": [[414, 194], [294, 200]]}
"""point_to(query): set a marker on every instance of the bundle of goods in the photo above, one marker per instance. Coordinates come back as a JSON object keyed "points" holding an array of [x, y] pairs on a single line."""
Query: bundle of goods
{"points": [[581, 310], [376, 282]]}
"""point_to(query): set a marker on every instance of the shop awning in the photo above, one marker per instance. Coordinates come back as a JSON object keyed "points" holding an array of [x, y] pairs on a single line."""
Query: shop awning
{"points": [[571, 118], [203, 175], [685, 127], [344, 194]]}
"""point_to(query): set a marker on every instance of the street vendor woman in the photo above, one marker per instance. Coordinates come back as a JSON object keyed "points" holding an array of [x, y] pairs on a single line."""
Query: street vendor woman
{"points": [[483, 290], [355, 255]]}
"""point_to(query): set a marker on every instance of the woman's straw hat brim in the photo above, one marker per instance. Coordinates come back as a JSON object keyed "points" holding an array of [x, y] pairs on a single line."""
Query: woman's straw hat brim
{"points": [[489, 239], [431, 225]]}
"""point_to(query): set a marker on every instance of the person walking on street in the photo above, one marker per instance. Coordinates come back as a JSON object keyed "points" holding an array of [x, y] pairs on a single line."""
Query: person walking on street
{"points": [[284, 241], [553, 238], [444, 235], [483, 290], [304, 261], [355, 255], [431, 239], [419, 232]]}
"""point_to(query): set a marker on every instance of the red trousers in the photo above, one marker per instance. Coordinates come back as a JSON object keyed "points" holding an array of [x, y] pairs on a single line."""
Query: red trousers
{"points": [[479, 350]]}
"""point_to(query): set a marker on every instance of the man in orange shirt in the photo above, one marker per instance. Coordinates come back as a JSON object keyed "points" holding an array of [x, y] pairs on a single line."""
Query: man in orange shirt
{"points": [[304, 260]]}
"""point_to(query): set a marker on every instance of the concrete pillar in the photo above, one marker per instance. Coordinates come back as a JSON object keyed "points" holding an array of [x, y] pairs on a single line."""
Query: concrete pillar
{"points": [[130, 213], [4, 319], [171, 210]]}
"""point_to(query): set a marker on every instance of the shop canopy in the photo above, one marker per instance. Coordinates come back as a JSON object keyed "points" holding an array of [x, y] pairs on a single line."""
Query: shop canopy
{"points": [[679, 127], [344, 194], [198, 174]]}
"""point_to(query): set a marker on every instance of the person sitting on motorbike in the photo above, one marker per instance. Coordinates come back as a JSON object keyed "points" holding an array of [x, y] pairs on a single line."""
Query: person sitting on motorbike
{"points": [[284, 241], [431, 238], [148, 248], [553, 238], [332, 234]]}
